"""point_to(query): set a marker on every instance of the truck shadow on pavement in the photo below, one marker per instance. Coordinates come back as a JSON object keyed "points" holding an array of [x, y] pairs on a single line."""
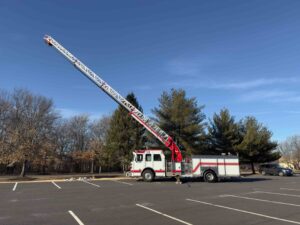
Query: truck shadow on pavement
{"points": [[200, 180], [247, 179], [231, 180]]}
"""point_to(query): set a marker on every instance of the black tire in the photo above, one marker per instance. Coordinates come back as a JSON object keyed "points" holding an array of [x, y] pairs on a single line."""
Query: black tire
{"points": [[148, 175], [210, 177]]}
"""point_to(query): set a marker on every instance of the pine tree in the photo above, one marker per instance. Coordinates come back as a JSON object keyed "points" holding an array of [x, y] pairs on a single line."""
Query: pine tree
{"points": [[256, 146], [223, 133], [182, 119], [124, 136]]}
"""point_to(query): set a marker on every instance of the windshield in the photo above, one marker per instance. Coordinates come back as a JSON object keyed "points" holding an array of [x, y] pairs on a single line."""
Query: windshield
{"points": [[284, 168]]}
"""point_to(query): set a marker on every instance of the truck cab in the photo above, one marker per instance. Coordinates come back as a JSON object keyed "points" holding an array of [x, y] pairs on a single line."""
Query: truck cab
{"points": [[148, 164], [151, 164]]}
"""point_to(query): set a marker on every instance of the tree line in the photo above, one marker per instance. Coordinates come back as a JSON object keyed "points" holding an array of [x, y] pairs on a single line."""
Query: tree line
{"points": [[290, 151], [35, 137]]}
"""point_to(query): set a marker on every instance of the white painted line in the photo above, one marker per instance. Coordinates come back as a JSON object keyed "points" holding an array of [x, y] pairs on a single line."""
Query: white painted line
{"points": [[246, 193], [171, 217], [275, 193], [122, 182], [261, 200], [56, 185], [244, 211], [96, 185], [76, 218], [290, 189], [15, 186]]}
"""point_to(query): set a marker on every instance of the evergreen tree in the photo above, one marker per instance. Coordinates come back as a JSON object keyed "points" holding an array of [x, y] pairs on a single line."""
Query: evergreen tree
{"points": [[256, 146], [124, 136], [223, 133], [182, 119]]}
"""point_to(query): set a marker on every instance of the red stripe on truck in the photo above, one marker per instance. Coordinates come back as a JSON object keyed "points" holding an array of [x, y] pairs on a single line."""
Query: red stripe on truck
{"points": [[214, 164], [156, 171]]}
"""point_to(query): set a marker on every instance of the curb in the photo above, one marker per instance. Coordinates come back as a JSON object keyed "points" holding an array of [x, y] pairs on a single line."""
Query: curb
{"points": [[63, 180]]}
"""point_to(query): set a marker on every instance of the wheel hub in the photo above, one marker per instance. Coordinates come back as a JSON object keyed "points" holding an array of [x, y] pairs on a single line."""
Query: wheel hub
{"points": [[148, 176], [210, 176]]}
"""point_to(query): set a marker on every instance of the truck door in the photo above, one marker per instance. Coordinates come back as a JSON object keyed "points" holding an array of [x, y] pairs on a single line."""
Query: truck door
{"points": [[159, 165], [139, 162], [148, 161]]}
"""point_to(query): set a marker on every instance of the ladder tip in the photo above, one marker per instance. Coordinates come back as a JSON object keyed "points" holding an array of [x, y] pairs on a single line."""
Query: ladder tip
{"points": [[47, 39]]}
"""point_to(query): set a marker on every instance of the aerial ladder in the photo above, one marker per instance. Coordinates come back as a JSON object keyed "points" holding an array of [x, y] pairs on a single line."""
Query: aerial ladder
{"points": [[161, 135]]}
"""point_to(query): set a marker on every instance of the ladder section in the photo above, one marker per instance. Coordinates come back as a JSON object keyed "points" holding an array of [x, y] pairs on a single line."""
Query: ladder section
{"points": [[133, 111]]}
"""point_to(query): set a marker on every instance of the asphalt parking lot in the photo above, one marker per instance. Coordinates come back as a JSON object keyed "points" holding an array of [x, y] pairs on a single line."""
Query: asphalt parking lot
{"points": [[251, 200]]}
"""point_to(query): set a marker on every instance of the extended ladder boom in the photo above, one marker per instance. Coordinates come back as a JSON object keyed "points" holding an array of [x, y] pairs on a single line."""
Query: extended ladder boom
{"points": [[134, 112]]}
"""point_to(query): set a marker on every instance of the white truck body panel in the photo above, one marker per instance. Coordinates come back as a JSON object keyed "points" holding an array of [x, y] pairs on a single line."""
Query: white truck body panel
{"points": [[223, 166]]}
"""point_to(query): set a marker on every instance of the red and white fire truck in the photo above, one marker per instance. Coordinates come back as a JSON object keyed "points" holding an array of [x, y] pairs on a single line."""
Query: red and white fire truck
{"points": [[153, 163]]}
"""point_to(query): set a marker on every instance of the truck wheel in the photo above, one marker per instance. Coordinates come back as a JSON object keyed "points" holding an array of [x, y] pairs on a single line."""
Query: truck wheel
{"points": [[210, 177], [148, 175], [263, 172]]}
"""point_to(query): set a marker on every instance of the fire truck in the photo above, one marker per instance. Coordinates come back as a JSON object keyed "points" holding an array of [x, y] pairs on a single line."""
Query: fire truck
{"points": [[150, 164]]}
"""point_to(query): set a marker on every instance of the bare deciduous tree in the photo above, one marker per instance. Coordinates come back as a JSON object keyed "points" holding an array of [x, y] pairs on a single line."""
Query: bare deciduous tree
{"points": [[290, 150], [98, 135], [32, 119], [79, 140], [78, 132], [5, 117]]}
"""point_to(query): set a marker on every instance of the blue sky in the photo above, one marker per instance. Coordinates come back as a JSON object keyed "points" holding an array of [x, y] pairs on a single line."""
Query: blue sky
{"points": [[243, 55]]}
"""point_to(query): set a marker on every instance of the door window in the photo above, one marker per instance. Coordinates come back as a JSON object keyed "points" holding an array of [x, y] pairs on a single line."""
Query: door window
{"points": [[156, 157], [148, 157], [139, 157]]}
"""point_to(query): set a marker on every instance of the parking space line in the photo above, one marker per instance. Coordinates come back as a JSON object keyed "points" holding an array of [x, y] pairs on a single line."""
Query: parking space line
{"points": [[290, 189], [56, 185], [76, 218], [96, 185], [163, 214], [276, 193], [15, 186], [122, 182], [244, 211], [261, 200]]}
